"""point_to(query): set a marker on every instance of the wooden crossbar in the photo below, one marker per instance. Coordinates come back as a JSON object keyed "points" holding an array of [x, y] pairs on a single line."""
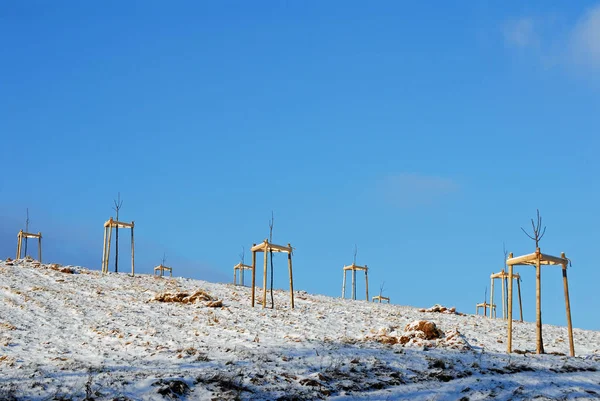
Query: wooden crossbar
{"points": [[532, 259], [485, 307], [30, 235], [162, 270], [118, 224], [381, 298], [266, 246], [504, 274], [356, 267]]}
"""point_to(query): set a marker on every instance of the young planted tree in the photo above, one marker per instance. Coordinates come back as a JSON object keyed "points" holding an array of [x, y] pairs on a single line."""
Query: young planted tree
{"points": [[537, 235], [242, 254], [116, 208], [485, 304]]}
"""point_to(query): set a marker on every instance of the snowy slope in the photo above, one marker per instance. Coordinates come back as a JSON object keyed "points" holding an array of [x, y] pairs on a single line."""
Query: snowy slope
{"points": [[84, 336]]}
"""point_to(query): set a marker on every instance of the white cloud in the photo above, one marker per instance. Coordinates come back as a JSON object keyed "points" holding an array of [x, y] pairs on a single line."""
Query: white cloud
{"points": [[413, 189], [521, 32], [585, 39], [572, 44]]}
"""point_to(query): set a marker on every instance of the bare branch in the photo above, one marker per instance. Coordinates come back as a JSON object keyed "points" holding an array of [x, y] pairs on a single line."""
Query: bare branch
{"points": [[242, 255], [355, 252], [527, 234], [538, 232], [543, 232], [118, 203]]}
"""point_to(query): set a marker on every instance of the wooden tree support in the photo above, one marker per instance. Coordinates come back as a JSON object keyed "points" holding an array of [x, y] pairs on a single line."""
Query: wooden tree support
{"points": [[354, 268], [503, 276], [485, 306], [266, 247], [240, 267], [539, 259], [381, 298], [108, 226], [21, 236], [160, 268]]}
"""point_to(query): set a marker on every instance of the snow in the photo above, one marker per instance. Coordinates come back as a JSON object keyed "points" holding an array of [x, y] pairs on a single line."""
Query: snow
{"points": [[88, 336]]}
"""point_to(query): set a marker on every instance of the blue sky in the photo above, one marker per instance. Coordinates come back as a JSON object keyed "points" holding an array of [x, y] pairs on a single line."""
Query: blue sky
{"points": [[425, 134]]}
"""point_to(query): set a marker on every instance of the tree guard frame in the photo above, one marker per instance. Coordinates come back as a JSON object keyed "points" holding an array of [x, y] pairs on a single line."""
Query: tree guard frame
{"points": [[162, 269], [267, 247], [21, 236], [241, 267], [502, 275], [538, 259], [354, 268], [108, 226], [485, 306], [381, 298]]}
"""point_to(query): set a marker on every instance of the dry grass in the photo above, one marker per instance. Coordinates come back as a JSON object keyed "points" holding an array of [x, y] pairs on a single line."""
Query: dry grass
{"points": [[7, 326], [189, 298]]}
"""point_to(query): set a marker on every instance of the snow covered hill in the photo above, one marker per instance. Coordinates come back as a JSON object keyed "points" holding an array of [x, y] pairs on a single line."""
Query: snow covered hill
{"points": [[70, 333]]}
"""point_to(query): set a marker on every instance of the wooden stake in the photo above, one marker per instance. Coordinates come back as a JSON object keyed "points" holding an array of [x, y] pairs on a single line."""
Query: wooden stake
{"points": [[568, 306], [264, 300], [104, 250], [538, 303], [253, 274], [367, 283], [491, 297], [344, 285], [19, 237], [510, 298], [353, 284], [132, 253], [108, 247], [40, 247], [503, 297], [291, 278]]}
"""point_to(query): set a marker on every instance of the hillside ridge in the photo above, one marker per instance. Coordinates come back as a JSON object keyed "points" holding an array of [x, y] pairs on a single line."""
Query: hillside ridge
{"points": [[67, 332]]}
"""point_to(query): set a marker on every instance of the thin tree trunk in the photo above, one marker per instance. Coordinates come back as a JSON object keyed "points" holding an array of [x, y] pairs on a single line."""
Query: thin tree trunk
{"points": [[538, 306]]}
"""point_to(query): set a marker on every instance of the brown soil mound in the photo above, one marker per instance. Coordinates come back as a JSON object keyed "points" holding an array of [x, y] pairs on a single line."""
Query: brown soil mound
{"points": [[187, 298]]}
